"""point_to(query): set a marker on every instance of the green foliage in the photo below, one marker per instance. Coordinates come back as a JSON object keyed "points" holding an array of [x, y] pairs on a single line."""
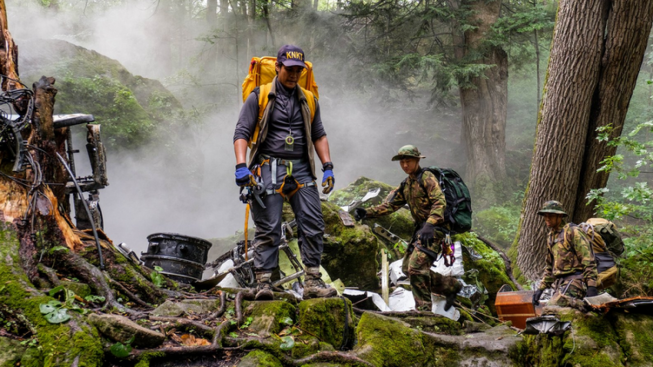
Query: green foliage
{"points": [[157, 277], [498, 223], [54, 312], [121, 350], [287, 343]]}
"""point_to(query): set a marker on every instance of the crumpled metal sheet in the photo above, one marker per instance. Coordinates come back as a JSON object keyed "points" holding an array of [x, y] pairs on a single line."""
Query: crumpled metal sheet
{"points": [[468, 290], [472, 254], [396, 274], [547, 324], [354, 294], [401, 300], [634, 302], [438, 303]]}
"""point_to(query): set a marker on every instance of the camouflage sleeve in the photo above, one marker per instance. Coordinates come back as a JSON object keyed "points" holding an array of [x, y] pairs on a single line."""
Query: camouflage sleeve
{"points": [[585, 256], [392, 203], [548, 278], [436, 216]]}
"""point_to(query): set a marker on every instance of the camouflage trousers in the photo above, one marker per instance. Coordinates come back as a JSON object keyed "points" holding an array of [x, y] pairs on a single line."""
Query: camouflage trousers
{"points": [[569, 294], [417, 265]]}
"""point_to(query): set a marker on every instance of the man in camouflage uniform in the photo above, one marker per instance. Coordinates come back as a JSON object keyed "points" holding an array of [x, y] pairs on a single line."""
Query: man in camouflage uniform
{"points": [[570, 266], [421, 191]]}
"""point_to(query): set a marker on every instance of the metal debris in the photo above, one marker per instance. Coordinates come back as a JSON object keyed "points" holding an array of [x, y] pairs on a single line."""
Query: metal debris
{"points": [[547, 324]]}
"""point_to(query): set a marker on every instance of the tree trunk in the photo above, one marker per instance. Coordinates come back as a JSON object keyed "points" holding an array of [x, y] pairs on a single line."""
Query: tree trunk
{"points": [[224, 7], [629, 25], [484, 108], [561, 132]]}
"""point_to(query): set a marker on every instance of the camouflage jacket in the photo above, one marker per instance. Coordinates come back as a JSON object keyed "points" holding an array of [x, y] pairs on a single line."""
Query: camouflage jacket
{"points": [[568, 252], [425, 206]]}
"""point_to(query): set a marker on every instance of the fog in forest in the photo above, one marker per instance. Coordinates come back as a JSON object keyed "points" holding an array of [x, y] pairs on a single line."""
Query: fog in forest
{"points": [[147, 195]]}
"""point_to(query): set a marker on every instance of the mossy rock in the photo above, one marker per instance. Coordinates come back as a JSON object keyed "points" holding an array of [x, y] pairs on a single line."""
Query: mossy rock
{"points": [[635, 333], [187, 307], [269, 316], [438, 325], [349, 253], [259, 358], [324, 318], [80, 289], [491, 268], [10, 351], [357, 190], [384, 341], [129, 107]]}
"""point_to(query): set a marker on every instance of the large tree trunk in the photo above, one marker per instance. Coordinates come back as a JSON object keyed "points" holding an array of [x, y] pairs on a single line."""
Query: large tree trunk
{"points": [[629, 25], [211, 11], [484, 108], [586, 64]]}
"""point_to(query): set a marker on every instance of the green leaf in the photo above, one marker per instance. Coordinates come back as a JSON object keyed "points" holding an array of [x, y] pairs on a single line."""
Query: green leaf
{"points": [[287, 321], [58, 316], [55, 290], [156, 277], [233, 334], [121, 350], [58, 248], [49, 307], [94, 299], [287, 343]]}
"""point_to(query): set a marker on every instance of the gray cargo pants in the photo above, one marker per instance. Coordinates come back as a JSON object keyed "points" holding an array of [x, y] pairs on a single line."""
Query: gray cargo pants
{"points": [[308, 214]]}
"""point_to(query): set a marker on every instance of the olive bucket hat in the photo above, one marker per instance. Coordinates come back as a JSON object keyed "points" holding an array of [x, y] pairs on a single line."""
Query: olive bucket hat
{"points": [[552, 206], [407, 151]]}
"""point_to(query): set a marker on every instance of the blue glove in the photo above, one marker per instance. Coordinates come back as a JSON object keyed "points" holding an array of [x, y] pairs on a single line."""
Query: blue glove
{"points": [[243, 176], [328, 181]]}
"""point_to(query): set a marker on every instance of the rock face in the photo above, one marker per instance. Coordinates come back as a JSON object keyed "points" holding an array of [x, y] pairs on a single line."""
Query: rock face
{"points": [[10, 351], [129, 107], [121, 329], [331, 320], [186, 307], [270, 317]]}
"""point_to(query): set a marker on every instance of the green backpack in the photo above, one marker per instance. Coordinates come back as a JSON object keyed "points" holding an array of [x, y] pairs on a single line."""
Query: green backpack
{"points": [[458, 212]]}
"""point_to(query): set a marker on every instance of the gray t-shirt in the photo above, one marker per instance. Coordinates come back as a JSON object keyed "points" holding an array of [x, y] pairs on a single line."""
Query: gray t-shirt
{"points": [[286, 120]]}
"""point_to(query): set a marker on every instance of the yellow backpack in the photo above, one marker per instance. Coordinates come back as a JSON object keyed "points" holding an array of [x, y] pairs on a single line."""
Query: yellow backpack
{"points": [[262, 71], [261, 74]]}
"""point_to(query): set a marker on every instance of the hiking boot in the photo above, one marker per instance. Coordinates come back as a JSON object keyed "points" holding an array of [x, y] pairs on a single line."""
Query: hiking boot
{"points": [[264, 287], [314, 287]]}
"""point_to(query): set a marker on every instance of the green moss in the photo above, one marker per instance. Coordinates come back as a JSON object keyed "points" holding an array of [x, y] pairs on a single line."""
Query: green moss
{"points": [[388, 342], [145, 358], [267, 316], [324, 318], [259, 358], [635, 333], [59, 344]]}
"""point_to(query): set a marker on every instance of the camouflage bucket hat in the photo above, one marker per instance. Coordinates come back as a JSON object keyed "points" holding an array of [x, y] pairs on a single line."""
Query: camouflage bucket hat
{"points": [[407, 151], [552, 206]]}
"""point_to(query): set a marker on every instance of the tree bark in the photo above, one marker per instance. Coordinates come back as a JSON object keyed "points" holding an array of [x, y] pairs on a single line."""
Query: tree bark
{"points": [[628, 28], [484, 107], [573, 74]]}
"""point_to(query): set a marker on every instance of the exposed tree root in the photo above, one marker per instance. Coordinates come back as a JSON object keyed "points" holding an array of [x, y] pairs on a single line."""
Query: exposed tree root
{"points": [[50, 274], [332, 357], [182, 323], [221, 310], [248, 295], [217, 337], [174, 351], [128, 293]]}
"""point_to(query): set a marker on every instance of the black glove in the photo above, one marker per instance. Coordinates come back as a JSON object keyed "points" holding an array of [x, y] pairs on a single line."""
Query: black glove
{"points": [[536, 297], [360, 214], [591, 292], [426, 234]]}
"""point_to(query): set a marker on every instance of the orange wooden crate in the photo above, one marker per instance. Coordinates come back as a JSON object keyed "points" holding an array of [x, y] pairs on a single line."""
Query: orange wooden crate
{"points": [[516, 307]]}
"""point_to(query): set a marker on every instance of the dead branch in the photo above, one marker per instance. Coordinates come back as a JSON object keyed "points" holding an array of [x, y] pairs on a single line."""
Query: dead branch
{"points": [[182, 323], [505, 258], [217, 337]]}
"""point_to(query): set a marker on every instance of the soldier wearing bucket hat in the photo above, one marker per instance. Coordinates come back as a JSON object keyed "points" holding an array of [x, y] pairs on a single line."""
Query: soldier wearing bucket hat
{"points": [[570, 267], [421, 191]]}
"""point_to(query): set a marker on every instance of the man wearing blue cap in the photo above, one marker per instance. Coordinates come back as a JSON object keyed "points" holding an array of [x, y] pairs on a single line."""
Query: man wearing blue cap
{"points": [[281, 123]]}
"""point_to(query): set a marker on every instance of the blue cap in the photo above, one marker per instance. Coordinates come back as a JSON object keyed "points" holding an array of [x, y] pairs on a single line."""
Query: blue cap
{"points": [[291, 55]]}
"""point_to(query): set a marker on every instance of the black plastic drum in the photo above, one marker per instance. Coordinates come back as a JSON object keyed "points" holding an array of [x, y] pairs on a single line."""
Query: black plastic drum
{"points": [[182, 258]]}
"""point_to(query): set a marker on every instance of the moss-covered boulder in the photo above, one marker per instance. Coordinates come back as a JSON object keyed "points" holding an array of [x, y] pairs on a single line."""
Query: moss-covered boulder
{"points": [[80, 289], [129, 107], [329, 319], [121, 329], [490, 271], [270, 317], [11, 351], [259, 358], [349, 253], [384, 341], [635, 332]]}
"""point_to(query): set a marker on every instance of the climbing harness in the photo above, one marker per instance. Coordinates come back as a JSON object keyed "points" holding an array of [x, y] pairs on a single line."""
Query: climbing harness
{"points": [[290, 185]]}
